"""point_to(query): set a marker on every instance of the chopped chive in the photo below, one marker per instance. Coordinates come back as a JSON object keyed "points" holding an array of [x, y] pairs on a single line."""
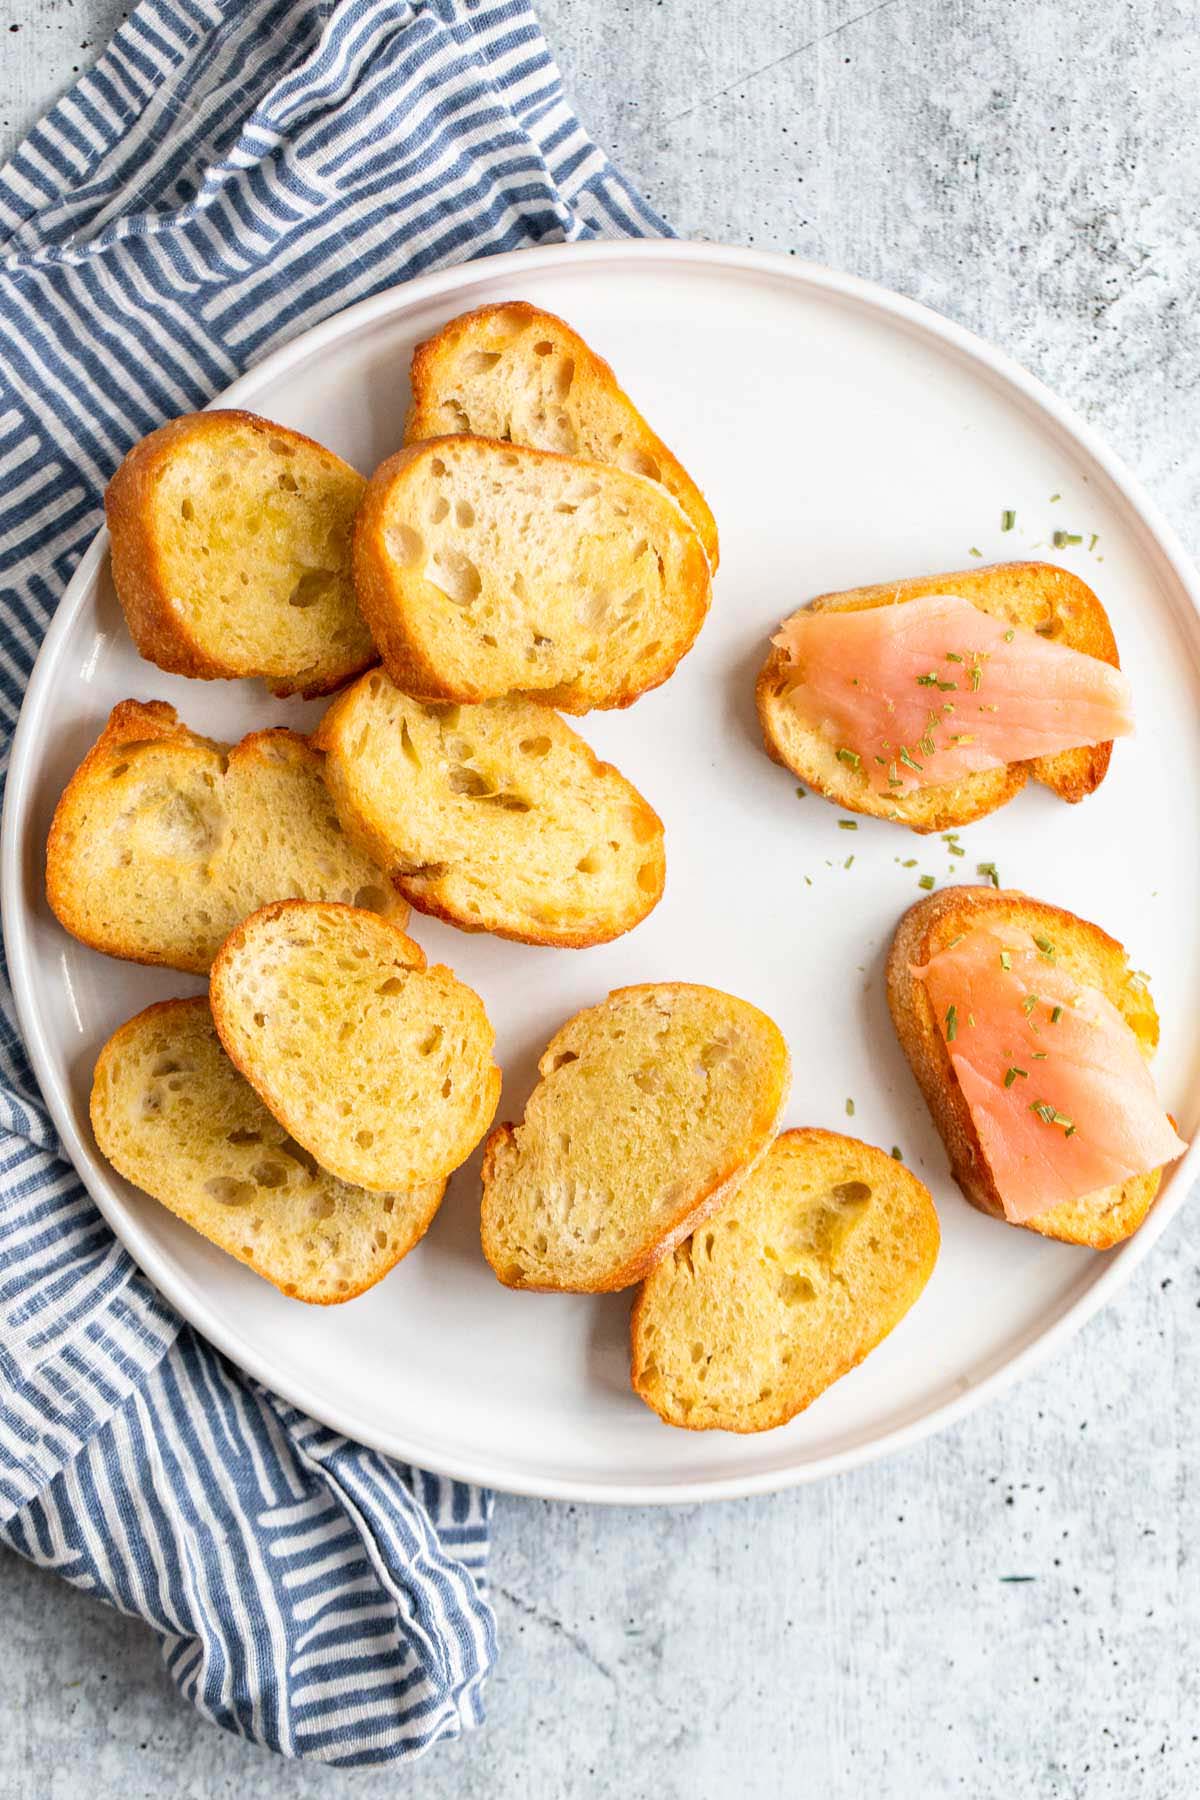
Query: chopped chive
{"points": [[801, 792], [1056, 1015], [926, 882], [847, 862], [1008, 519], [976, 678], [975, 552], [847, 825], [908, 762], [1005, 960], [1028, 1004], [1055, 497], [910, 862], [1067, 537], [1009, 636], [808, 881], [849, 1109], [1039, 1056], [882, 761], [1095, 540], [897, 1154], [1070, 1131], [1045, 946], [1010, 1075], [953, 656], [963, 737], [990, 870], [951, 1023], [956, 940], [850, 756], [971, 1020]]}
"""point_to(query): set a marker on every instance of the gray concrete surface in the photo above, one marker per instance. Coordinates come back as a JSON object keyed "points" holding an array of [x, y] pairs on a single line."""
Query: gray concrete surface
{"points": [[1013, 1609]]}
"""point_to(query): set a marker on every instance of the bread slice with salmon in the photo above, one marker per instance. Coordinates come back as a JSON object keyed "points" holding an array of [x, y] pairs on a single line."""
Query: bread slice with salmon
{"points": [[815, 1259], [651, 1108], [231, 553], [521, 375], [379, 1066], [1030, 1037], [494, 817], [485, 570], [163, 840], [172, 1114], [932, 701]]}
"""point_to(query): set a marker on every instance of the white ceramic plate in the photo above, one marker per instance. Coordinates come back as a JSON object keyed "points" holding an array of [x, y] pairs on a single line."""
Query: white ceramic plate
{"points": [[843, 435]]}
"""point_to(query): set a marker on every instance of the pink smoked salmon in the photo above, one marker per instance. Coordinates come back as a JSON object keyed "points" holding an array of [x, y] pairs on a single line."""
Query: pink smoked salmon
{"points": [[1058, 1088], [926, 691]]}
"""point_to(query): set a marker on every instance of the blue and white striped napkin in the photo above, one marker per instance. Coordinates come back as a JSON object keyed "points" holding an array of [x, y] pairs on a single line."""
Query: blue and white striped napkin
{"points": [[229, 173]]}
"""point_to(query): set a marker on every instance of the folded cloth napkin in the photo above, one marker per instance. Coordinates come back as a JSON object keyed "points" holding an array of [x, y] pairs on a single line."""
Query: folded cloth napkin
{"points": [[230, 172]]}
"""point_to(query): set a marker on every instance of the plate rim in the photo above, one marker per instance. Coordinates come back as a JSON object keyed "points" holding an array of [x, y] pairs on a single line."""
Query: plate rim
{"points": [[1159, 539]]}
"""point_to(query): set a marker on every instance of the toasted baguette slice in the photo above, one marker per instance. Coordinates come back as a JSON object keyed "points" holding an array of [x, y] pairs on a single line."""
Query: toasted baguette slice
{"points": [[163, 840], [516, 373], [1097, 1220], [1037, 596], [494, 817], [652, 1107], [172, 1115], [818, 1255], [380, 1067], [485, 570], [231, 553]]}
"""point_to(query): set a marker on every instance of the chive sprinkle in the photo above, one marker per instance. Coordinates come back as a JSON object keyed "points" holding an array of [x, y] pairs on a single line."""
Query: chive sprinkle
{"points": [[951, 1023], [1062, 538], [1045, 946], [1005, 960], [926, 882], [1011, 1074], [1028, 1004], [976, 678], [975, 552], [849, 1109], [908, 762], [850, 756], [953, 656], [897, 1154], [847, 862], [910, 862], [1007, 520], [989, 869], [1095, 540], [1056, 1015], [1055, 497], [847, 825], [1009, 636], [801, 792]]}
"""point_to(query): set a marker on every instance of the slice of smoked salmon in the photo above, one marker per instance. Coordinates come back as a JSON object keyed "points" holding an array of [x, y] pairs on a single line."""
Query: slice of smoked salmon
{"points": [[922, 692], [1059, 1091]]}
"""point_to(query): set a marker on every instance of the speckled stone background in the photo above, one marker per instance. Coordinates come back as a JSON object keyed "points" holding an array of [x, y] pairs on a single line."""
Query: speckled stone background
{"points": [[1014, 1608]]}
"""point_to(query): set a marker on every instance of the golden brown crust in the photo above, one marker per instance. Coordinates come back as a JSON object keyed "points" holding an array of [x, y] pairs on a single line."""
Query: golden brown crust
{"points": [[1097, 1220], [379, 588], [693, 1211], [1037, 596], [923, 1240], [431, 358], [139, 577]]}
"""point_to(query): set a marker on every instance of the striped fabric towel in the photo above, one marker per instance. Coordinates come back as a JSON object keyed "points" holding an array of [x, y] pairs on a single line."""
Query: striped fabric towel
{"points": [[230, 172]]}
